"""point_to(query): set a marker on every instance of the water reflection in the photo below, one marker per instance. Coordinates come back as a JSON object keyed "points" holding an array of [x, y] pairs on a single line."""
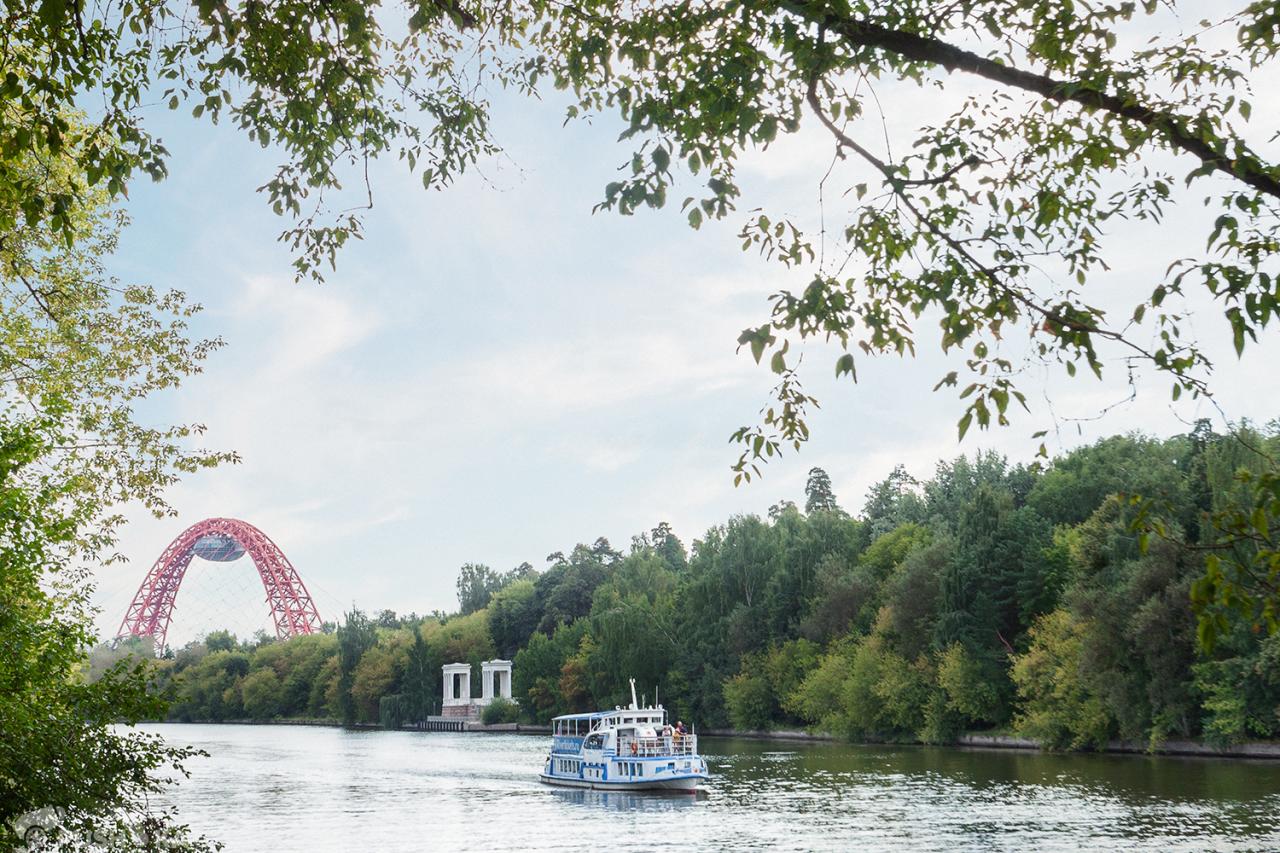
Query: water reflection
{"points": [[640, 801]]}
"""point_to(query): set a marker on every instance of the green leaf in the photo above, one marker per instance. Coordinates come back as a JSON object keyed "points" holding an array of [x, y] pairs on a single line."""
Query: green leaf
{"points": [[844, 364], [53, 13], [661, 158]]}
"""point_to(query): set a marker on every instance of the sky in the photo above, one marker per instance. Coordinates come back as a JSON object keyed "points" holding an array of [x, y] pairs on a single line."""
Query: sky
{"points": [[495, 373]]}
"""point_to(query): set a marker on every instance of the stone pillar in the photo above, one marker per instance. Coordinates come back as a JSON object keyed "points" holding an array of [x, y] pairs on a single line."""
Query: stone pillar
{"points": [[461, 695], [497, 679]]}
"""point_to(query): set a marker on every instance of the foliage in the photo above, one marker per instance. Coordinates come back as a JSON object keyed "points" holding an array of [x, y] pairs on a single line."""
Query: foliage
{"points": [[1241, 694], [356, 635], [1067, 123], [1060, 708], [818, 496], [476, 584], [1242, 577], [420, 679], [61, 748], [513, 616], [967, 686], [1066, 126], [463, 639], [262, 694], [378, 673], [500, 711], [1000, 604], [749, 702], [78, 354]]}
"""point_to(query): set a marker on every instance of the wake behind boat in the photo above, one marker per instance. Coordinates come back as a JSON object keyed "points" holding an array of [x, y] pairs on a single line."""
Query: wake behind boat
{"points": [[626, 749]]}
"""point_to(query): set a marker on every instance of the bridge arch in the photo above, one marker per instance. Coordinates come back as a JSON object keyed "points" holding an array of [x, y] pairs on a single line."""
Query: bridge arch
{"points": [[220, 540]]}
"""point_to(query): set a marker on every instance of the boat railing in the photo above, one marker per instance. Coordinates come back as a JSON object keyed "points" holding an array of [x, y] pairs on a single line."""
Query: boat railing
{"points": [[657, 747]]}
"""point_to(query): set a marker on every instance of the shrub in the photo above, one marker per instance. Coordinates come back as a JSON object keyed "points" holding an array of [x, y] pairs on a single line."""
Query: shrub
{"points": [[500, 711]]}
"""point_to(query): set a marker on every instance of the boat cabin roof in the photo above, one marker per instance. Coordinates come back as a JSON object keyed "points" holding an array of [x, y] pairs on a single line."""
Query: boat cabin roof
{"points": [[630, 714], [594, 715]]}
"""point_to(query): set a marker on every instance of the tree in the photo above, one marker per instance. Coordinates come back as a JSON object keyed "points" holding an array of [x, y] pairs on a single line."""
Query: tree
{"points": [[356, 636], [749, 701], [420, 679], [220, 641], [669, 546], [476, 585], [61, 747], [513, 616], [818, 496], [1060, 707], [892, 502], [564, 592], [78, 354], [378, 674], [262, 694]]}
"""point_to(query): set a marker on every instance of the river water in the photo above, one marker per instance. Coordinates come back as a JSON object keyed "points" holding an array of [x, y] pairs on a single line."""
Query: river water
{"points": [[295, 788]]}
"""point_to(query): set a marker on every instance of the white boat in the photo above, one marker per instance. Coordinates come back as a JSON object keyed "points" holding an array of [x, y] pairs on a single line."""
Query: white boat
{"points": [[626, 749]]}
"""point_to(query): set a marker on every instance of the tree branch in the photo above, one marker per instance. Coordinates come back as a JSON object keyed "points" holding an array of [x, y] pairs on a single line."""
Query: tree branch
{"points": [[899, 189], [1175, 129]]}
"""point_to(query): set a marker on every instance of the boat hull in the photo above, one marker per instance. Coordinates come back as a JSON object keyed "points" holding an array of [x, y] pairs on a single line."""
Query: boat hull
{"points": [[682, 783]]}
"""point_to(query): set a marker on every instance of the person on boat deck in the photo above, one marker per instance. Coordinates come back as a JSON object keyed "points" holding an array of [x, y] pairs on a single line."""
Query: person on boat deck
{"points": [[680, 728]]}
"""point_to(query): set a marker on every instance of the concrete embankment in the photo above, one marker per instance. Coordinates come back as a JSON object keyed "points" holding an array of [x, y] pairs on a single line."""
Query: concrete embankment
{"points": [[1255, 749], [522, 728]]}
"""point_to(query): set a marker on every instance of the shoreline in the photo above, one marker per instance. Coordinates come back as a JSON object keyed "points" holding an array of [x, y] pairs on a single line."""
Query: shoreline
{"points": [[1257, 750]]}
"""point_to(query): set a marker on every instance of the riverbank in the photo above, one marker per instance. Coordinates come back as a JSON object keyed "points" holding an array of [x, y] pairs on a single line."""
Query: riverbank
{"points": [[1252, 749], [1265, 750]]}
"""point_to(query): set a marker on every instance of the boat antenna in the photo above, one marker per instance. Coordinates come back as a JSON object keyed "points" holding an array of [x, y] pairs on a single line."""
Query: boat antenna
{"points": [[635, 706]]}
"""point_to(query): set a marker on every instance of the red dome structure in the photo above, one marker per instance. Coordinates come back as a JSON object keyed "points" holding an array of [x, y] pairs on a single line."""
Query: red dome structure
{"points": [[220, 540]]}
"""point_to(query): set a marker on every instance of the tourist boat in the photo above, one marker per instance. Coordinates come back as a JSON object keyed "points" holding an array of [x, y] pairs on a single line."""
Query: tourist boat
{"points": [[626, 749]]}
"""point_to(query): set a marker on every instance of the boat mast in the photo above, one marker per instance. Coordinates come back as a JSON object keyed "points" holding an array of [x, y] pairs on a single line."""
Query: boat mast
{"points": [[635, 706]]}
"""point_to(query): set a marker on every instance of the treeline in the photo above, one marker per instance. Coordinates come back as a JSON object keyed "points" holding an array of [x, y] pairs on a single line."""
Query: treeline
{"points": [[988, 597]]}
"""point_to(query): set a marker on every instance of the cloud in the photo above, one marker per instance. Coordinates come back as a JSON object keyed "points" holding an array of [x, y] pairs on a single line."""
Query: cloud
{"points": [[303, 326]]}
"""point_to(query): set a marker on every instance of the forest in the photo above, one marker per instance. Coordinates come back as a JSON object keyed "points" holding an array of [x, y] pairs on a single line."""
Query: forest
{"points": [[1026, 599]]}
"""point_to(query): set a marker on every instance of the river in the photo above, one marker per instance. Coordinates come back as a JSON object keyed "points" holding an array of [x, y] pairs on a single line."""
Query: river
{"points": [[296, 788]]}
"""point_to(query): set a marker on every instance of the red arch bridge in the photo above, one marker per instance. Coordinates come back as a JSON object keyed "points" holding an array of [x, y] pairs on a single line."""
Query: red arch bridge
{"points": [[220, 540]]}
